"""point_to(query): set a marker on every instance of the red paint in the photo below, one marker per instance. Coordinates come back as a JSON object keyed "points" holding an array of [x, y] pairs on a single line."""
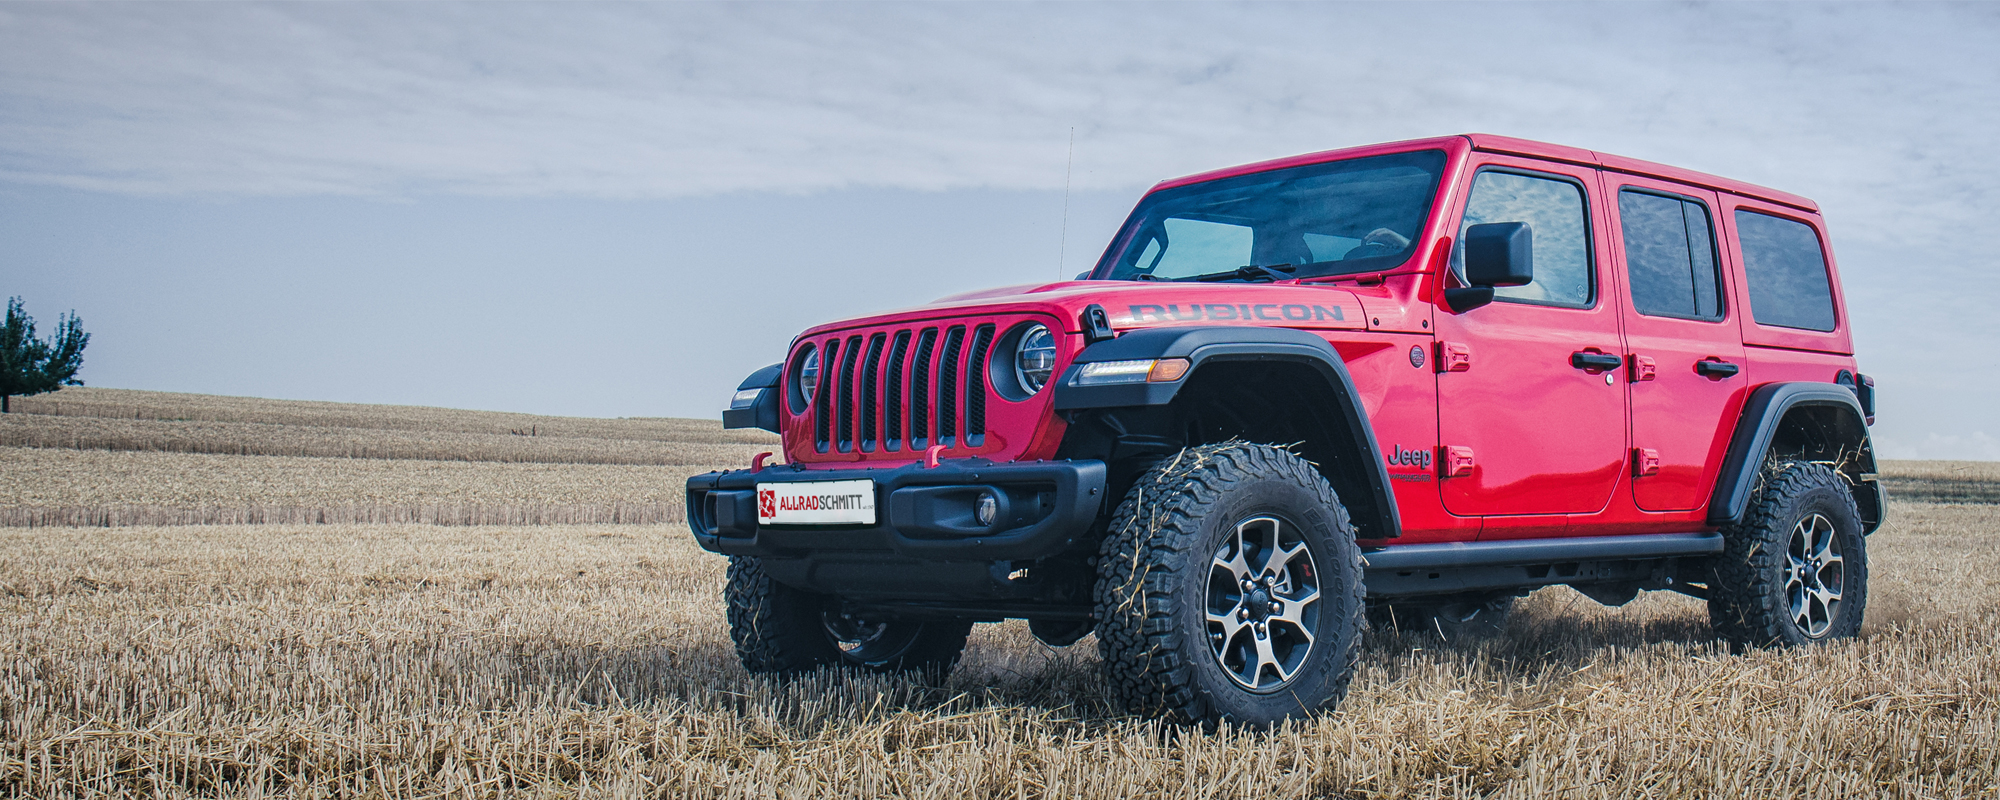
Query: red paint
{"points": [[1561, 451]]}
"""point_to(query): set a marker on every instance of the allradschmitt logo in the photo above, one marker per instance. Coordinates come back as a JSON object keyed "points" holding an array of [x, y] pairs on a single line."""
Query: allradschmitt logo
{"points": [[767, 503]]}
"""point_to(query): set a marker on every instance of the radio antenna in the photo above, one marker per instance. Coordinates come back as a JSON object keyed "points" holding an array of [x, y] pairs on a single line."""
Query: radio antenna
{"points": [[1062, 250]]}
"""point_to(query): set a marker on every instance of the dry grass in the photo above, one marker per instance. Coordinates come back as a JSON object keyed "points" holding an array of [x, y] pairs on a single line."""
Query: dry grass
{"points": [[83, 487], [114, 457], [413, 661], [267, 439], [407, 661], [176, 407]]}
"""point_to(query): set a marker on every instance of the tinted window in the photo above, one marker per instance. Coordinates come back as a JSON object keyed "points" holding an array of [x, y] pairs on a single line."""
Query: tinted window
{"points": [[1785, 271], [1554, 212], [1669, 255], [1337, 218]]}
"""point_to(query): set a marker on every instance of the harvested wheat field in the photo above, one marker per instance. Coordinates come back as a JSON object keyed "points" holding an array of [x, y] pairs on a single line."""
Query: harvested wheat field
{"points": [[423, 660]]}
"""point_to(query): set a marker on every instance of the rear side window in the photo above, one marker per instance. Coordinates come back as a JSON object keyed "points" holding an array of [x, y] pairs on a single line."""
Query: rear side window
{"points": [[1786, 272], [1554, 212], [1670, 256]]}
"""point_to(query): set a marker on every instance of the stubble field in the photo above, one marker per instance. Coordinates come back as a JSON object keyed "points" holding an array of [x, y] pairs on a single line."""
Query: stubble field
{"points": [[415, 659]]}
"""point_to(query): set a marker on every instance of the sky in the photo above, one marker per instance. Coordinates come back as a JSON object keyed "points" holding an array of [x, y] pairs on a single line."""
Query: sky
{"points": [[621, 210]]}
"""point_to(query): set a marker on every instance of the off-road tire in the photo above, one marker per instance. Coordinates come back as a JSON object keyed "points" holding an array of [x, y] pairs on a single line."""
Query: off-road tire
{"points": [[781, 630], [1153, 580], [1749, 604], [1460, 619]]}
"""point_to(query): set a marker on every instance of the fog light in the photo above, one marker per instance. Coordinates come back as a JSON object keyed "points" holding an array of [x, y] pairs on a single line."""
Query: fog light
{"points": [[986, 509]]}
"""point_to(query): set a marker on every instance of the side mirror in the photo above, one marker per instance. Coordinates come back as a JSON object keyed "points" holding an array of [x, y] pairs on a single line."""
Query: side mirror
{"points": [[1084, 275], [1496, 254]]}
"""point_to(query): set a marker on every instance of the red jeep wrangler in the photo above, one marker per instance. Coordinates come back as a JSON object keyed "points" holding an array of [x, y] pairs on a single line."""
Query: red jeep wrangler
{"points": [[1407, 382]]}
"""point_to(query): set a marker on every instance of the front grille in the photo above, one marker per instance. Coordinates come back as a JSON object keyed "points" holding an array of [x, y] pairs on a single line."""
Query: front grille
{"points": [[903, 389]]}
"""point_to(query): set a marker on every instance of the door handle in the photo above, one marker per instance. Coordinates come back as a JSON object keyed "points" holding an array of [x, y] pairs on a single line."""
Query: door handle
{"points": [[1595, 362], [1715, 369]]}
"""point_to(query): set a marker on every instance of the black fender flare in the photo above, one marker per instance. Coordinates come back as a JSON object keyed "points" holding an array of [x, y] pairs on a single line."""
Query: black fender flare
{"points": [[762, 412], [1208, 344], [1758, 425]]}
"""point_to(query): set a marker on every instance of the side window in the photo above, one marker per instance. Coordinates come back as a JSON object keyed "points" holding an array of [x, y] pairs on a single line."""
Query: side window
{"points": [[1194, 246], [1554, 212], [1670, 256], [1785, 271]]}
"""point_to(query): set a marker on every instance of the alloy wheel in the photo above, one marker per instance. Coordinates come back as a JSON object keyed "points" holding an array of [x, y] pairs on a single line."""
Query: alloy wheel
{"points": [[1263, 603], [1814, 575]]}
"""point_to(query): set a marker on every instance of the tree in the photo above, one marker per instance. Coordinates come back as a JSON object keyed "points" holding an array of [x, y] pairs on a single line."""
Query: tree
{"points": [[32, 366]]}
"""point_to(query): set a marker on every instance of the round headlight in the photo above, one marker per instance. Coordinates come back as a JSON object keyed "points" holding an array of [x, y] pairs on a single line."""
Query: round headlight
{"points": [[808, 377], [1035, 359]]}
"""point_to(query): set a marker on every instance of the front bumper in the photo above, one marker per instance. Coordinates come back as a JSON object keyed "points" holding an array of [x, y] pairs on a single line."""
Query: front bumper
{"points": [[922, 515]]}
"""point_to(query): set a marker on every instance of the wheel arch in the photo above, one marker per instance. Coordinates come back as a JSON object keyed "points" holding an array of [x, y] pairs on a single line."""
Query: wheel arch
{"points": [[1269, 385], [1805, 421]]}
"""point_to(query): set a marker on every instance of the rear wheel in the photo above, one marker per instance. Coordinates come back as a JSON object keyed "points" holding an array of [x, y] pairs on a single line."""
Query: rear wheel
{"points": [[779, 629], [1795, 570], [1229, 589]]}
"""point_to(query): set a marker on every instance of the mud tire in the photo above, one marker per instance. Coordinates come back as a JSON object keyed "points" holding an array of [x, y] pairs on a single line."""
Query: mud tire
{"points": [[1749, 603], [1154, 576], [781, 630]]}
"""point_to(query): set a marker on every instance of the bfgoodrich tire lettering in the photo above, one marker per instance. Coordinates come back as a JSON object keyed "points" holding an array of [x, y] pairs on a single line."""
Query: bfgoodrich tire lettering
{"points": [[781, 630], [1176, 602], [1795, 570]]}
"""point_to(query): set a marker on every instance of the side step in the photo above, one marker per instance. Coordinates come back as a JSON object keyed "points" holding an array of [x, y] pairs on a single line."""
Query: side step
{"points": [[1420, 569]]}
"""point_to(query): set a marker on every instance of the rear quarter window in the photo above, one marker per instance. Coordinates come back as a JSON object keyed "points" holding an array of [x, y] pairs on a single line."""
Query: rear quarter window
{"points": [[1785, 270]]}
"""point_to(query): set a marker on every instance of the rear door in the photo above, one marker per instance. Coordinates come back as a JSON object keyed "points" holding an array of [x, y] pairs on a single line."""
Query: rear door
{"points": [[1685, 367], [1545, 435]]}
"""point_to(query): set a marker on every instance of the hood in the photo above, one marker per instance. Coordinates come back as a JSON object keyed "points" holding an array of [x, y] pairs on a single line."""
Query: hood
{"points": [[1135, 304]]}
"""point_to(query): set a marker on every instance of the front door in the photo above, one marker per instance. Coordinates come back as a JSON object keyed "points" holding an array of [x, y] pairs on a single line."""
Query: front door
{"points": [[1685, 352], [1535, 402]]}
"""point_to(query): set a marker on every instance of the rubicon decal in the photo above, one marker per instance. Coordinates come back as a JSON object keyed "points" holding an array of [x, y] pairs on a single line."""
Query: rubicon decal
{"points": [[1224, 312]]}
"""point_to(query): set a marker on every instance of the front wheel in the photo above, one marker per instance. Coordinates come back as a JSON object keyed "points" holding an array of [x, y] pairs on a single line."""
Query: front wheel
{"points": [[781, 630], [1795, 570], [1229, 589]]}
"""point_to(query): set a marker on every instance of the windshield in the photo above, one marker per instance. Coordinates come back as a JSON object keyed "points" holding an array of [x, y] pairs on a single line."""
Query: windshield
{"points": [[1336, 218]]}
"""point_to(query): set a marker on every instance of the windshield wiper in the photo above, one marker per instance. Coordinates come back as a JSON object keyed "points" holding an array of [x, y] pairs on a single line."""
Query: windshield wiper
{"points": [[1270, 272]]}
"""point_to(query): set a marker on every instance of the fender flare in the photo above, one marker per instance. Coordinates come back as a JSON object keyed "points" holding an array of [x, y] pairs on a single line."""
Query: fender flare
{"points": [[1758, 426], [1209, 344], [762, 412]]}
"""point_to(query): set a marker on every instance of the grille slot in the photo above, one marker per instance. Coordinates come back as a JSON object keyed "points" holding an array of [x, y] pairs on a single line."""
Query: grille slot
{"points": [[846, 441], [823, 395], [920, 390], [947, 385], [892, 410], [871, 368], [975, 387]]}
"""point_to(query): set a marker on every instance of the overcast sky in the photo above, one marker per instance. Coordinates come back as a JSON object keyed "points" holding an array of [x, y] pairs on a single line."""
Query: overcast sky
{"points": [[620, 210]]}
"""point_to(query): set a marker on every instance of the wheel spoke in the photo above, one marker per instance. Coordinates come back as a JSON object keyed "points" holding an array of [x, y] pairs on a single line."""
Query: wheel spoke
{"points": [[1229, 623], [1238, 568], [1824, 546], [1267, 658]]}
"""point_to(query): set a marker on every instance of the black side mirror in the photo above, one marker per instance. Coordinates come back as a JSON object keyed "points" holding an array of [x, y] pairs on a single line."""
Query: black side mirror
{"points": [[1496, 254]]}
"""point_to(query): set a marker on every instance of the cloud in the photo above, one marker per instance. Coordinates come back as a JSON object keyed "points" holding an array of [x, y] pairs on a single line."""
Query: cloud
{"points": [[694, 99]]}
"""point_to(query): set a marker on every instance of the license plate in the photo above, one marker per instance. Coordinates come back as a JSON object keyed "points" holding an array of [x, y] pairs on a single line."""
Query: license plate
{"points": [[816, 503]]}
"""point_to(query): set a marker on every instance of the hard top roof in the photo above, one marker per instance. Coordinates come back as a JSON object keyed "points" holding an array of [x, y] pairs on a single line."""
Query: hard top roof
{"points": [[1525, 147]]}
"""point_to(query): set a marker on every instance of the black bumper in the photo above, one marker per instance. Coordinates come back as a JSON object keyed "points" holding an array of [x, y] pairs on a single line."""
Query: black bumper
{"points": [[923, 515]]}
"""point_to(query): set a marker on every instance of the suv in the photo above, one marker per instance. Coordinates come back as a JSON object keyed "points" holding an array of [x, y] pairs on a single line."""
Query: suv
{"points": [[1400, 384]]}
